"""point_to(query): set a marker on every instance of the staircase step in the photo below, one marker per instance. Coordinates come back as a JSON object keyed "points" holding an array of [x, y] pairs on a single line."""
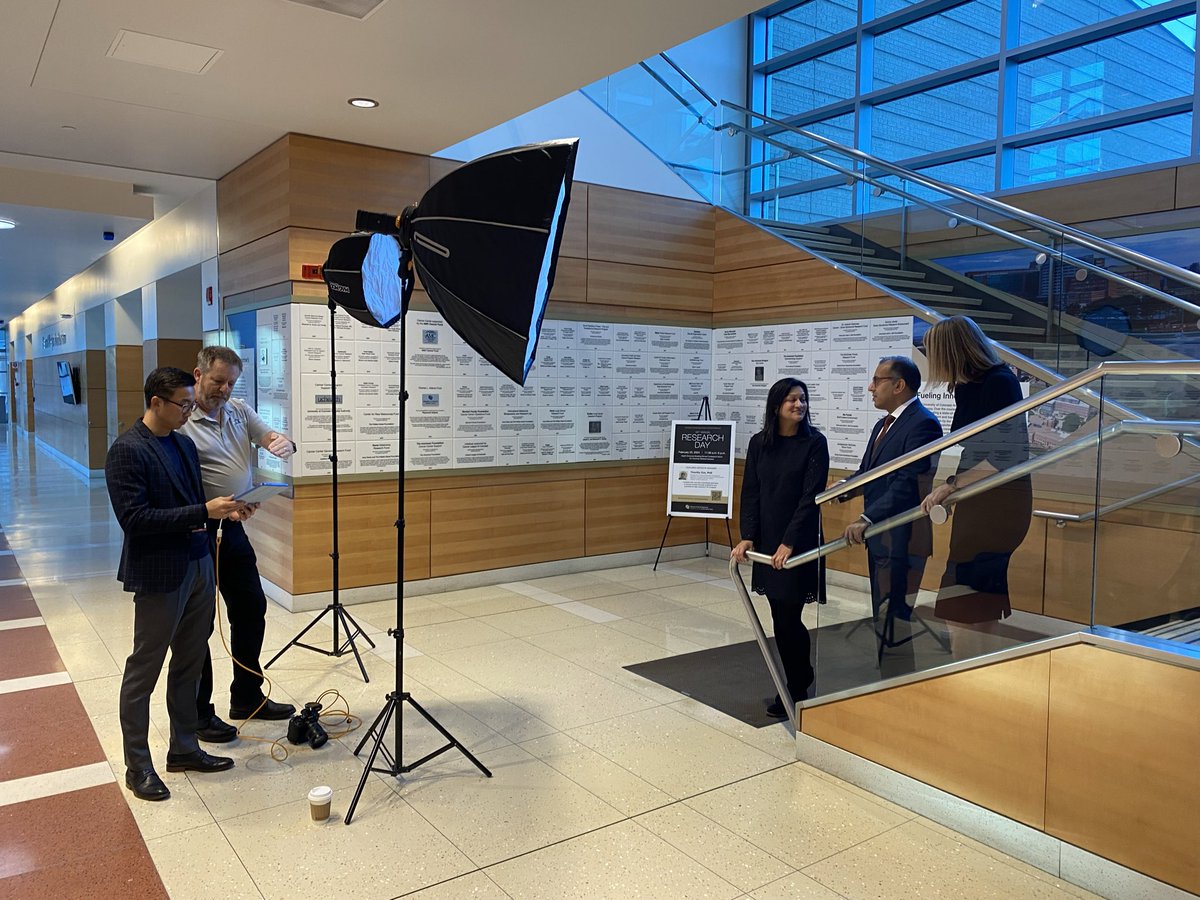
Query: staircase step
{"points": [[1187, 632], [991, 316], [823, 245], [923, 295], [901, 276], [775, 224], [1021, 329], [848, 257]]}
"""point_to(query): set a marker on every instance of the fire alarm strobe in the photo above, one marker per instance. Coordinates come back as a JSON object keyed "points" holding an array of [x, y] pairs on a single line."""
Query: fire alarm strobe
{"points": [[310, 272]]}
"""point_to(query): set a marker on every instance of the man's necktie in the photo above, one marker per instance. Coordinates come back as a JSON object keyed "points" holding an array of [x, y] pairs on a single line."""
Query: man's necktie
{"points": [[887, 423]]}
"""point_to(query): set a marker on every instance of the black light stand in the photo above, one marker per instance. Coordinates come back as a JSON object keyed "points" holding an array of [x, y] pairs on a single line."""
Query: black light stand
{"points": [[394, 706], [341, 618], [703, 415]]}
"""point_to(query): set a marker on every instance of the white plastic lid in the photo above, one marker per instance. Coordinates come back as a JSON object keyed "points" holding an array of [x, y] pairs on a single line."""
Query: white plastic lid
{"points": [[321, 794]]}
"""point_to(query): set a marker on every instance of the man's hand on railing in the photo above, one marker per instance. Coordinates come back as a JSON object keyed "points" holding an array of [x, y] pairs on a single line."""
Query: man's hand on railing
{"points": [[854, 531], [739, 551], [937, 497]]}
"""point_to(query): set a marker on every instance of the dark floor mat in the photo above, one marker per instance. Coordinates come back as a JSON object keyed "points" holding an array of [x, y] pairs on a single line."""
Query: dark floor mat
{"points": [[734, 679]]}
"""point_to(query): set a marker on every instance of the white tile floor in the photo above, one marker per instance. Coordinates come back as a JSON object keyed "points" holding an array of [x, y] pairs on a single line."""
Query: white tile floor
{"points": [[606, 785]]}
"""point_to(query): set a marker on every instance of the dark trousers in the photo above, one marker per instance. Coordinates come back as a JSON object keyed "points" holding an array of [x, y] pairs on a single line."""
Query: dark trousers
{"points": [[180, 620], [246, 609], [794, 646]]}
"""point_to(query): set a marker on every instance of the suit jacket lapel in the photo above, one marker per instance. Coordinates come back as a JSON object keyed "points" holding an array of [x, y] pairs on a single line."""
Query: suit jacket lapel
{"points": [[156, 446]]}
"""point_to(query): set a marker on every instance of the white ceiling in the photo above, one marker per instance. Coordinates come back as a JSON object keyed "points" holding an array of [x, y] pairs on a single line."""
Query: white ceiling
{"points": [[442, 70]]}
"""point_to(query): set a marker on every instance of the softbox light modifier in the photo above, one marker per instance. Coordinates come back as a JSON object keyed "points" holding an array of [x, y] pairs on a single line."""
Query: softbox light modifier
{"points": [[484, 241]]}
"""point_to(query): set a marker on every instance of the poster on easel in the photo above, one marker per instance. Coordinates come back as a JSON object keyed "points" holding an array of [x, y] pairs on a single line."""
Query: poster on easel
{"points": [[700, 477]]}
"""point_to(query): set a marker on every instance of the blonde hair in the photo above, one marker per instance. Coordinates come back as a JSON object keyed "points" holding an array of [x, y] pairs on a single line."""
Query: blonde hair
{"points": [[958, 351]]}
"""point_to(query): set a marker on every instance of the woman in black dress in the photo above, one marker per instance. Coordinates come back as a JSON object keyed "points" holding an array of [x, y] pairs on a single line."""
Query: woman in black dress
{"points": [[787, 465], [989, 527]]}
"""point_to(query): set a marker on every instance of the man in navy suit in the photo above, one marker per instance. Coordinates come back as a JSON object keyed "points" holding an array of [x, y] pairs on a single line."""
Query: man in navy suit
{"points": [[153, 478], [896, 558]]}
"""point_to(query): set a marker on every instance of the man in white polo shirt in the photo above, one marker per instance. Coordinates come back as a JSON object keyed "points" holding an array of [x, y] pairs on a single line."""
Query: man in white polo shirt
{"points": [[227, 432]]}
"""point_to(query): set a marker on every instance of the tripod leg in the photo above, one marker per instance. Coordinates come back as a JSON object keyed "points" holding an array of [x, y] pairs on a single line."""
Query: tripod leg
{"points": [[448, 736], [353, 647], [381, 724], [288, 646], [661, 544], [358, 628]]}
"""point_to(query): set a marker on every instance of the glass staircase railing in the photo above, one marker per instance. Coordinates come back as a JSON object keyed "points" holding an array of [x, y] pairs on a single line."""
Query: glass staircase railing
{"points": [[1055, 299], [991, 572]]}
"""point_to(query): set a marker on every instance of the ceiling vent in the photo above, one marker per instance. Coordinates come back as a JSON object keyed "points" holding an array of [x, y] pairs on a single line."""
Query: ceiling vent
{"points": [[164, 53], [355, 9]]}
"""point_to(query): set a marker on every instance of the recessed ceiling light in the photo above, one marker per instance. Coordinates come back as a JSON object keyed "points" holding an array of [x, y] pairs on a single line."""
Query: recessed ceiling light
{"points": [[6, 224], [363, 102]]}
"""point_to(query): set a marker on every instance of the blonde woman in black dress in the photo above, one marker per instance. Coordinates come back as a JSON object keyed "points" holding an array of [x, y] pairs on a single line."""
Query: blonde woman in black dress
{"points": [[787, 465], [989, 527]]}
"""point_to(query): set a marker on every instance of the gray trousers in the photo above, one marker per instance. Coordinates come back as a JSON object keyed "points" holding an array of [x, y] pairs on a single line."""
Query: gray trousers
{"points": [[181, 620]]}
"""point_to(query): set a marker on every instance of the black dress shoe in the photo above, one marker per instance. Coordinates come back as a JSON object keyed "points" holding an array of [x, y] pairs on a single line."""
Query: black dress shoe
{"points": [[775, 709], [271, 711], [213, 731], [198, 762], [146, 785]]}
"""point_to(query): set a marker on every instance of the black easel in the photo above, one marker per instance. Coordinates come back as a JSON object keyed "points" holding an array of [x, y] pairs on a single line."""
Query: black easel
{"points": [[395, 700], [704, 415], [341, 618]]}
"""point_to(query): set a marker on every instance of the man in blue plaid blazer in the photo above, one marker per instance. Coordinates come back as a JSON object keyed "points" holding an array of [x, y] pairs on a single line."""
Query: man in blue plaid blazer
{"points": [[153, 478]]}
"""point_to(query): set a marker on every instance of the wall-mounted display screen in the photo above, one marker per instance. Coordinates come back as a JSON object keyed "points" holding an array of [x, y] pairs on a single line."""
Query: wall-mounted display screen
{"points": [[68, 382]]}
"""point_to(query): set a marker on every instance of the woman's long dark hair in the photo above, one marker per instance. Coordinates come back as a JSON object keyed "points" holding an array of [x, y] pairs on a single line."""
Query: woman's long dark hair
{"points": [[775, 397]]}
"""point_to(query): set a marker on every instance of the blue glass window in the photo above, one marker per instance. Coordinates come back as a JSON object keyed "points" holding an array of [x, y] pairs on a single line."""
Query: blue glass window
{"points": [[812, 84], [1102, 151], [809, 22], [959, 35], [951, 116], [817, 206], [1106, 76], [800, 169], [1046, 18]]}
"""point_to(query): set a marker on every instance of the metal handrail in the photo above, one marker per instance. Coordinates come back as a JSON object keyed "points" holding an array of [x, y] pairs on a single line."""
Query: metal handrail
{"points": [[674, 93], [1062, 518], [1075, 382], [689, 79], [1088, 442], [963, 217], [1066, 232]]}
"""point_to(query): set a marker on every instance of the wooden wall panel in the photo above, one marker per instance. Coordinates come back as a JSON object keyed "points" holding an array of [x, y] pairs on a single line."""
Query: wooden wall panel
{"points": [[1122, 195], [270, 531], [575, 229], [979, 734], [648, 230], [740, 245], [307, 246], [489, 528], [1162, 581], [366, 538], [1187, 187], [798, 283], [570, 281], [1121, 774], [176, 352], [331, 180], [631, 513], [619, 284], [252, 200], [255, 264]]}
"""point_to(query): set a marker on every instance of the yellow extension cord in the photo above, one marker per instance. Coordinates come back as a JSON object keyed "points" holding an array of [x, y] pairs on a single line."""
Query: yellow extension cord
{"points": [[279, 750]]}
